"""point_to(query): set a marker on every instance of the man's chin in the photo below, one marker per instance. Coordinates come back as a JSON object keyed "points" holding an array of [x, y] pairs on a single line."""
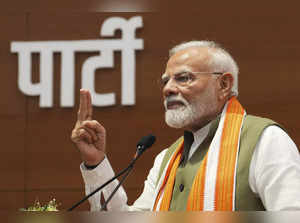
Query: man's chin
{"points": [[174, 125], [175, 122]]}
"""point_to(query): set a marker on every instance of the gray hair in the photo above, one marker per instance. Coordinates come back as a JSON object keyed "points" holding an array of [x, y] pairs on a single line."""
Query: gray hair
{"points": [[221, 60]]}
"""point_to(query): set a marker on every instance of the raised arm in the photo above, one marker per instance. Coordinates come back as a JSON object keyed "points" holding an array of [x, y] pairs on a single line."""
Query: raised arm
{"points": [[88, 135]]}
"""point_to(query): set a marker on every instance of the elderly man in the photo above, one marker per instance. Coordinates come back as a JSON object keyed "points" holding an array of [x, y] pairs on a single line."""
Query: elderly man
{"points": [[226, 159]]}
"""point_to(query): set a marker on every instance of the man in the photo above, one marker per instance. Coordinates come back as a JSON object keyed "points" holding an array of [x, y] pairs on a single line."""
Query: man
{"points": [[226, 160]]}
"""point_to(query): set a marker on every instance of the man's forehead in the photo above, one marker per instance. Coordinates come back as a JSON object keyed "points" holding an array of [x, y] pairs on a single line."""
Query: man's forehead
{"points": [[192, 56]]}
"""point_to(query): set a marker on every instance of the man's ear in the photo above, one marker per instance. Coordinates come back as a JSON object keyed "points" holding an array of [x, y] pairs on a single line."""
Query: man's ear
{"points": [[226, 83]]}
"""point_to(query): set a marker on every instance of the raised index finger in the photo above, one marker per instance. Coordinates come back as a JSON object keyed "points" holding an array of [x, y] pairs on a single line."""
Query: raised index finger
{"points": [[85, 106], [89, 106]]}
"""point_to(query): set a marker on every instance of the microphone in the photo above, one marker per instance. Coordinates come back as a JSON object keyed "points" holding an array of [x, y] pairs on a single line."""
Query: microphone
{"points": [[143, 144]]}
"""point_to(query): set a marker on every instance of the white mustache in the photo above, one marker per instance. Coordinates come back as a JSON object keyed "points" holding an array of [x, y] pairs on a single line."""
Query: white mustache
{"points": [[174, 98]]}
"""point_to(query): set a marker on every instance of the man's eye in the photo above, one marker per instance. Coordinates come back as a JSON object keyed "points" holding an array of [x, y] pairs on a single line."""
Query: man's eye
{"points": [[183, 78]]}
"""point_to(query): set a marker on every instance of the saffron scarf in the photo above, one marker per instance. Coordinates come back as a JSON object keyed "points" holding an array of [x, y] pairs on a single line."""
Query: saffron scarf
{"points": [[214, 184]]}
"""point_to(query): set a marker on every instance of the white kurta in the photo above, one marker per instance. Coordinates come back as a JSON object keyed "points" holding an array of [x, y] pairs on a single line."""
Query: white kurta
{"points": [[274, 175]]}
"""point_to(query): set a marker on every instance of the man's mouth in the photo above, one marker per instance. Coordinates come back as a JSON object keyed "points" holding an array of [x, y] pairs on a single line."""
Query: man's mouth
{"points": [[174, 105]]}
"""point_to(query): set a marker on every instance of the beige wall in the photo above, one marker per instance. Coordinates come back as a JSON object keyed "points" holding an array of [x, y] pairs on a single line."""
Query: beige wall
{"points": [[37, 158]]}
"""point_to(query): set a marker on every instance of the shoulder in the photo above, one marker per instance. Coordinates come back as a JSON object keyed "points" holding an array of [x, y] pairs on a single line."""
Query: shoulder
{"points": [[254, 126], [275, 144], [174, 146], [252, 121], [159, 159], [162, 156], [276, 136], [253, 133], [168, 152], [266, 134]]}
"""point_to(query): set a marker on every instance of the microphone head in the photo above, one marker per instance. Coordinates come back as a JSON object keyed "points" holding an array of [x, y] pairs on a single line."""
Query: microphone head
{"points": [[146, 142]]}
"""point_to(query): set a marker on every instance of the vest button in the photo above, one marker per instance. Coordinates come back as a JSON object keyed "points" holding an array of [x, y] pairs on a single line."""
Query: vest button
{"points": [[181, 187]]}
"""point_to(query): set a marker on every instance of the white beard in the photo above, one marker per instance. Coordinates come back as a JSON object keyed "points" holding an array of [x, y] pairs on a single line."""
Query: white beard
{"points": [[190, 113], [180, 117]]}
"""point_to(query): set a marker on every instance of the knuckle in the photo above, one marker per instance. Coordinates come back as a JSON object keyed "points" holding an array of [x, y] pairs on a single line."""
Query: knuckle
{"points": [[81, 131], [86, 123], [98, 125], [75, 136], [94, 121]]}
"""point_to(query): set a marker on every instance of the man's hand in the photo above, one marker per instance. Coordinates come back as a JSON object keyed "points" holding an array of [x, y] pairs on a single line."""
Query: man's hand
{"points": [[88, 135]]}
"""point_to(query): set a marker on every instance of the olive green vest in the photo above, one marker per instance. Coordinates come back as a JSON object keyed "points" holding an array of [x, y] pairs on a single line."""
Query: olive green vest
{"points": [[245, 199]]}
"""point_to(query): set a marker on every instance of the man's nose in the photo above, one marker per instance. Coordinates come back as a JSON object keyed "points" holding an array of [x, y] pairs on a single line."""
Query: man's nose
{"points": [[171, 88]]}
